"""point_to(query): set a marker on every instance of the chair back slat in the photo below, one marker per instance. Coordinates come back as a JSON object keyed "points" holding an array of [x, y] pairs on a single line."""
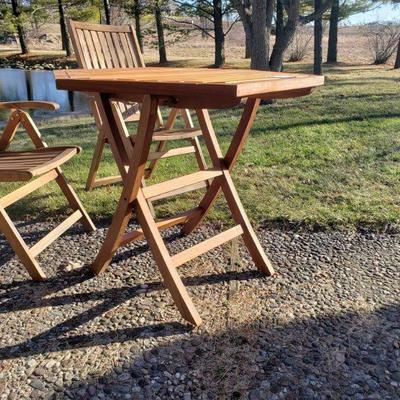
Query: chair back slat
{"points": [[135, 48], [98, 49], [91, 50], [119, 50], [82, 51], [111, 49], [106, 51], [127, 52]]}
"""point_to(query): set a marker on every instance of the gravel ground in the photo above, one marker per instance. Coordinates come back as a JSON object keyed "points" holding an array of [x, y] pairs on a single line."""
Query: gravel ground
{"points": [[326, 326]]}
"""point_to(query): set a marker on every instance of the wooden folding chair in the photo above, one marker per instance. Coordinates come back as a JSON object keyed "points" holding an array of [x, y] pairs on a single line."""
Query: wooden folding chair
{"points": [[105, 46], [21, 166]]}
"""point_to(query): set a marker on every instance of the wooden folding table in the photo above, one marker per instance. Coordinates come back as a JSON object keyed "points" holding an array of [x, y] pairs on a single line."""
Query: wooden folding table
{"points": [[199, 89]]}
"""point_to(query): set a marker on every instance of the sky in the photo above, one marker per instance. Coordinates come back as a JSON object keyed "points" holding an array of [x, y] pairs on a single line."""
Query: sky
{"points": [[385, 12]]}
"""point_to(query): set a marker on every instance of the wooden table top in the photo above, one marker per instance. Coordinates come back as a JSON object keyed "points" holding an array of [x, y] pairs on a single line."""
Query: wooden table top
{"points": [[222, 83]]}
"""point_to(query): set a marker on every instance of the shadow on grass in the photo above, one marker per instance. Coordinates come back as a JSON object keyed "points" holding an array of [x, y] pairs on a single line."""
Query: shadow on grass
{"points": [[262, 130], [354, 82], [372, 96]]}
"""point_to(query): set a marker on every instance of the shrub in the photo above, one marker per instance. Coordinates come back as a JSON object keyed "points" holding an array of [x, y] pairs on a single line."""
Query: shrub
{"points": [[382, 39], [298, 47]]}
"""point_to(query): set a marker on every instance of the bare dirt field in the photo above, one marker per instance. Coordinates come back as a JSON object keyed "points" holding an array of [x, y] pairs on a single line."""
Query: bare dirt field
{"points": [[353, 46]]}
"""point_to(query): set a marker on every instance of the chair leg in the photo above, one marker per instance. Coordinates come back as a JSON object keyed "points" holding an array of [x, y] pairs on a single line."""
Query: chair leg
{"points": [[9, 130], [74, 201], [91, 181], [67, 189], [201, 162], [20, 247], [149, 202], [163, 144], [95, 163]]}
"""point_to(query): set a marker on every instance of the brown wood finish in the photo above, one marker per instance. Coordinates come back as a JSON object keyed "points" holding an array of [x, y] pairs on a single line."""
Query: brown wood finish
{"points": [[16, 166], [45, 163], [21, 105], [179, 85], [235, 148], [99, 47], [181, 82], [208, 244]]}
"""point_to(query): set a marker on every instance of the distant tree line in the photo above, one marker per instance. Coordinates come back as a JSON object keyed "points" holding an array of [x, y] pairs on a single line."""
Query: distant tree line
{"points": [[261, 19]]}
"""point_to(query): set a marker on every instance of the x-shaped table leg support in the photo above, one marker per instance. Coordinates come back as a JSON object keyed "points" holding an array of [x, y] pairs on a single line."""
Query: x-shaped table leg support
{"points": [[225, 181]]}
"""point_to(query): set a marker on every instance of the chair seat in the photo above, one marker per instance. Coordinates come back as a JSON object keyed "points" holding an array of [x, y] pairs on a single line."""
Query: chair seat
{"points": [[176, 134], [24, 165], [163, 135]]}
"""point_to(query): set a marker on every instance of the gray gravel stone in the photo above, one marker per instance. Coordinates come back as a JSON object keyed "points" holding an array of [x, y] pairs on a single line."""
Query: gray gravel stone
{"points": [[324, 327], [37, 384]]}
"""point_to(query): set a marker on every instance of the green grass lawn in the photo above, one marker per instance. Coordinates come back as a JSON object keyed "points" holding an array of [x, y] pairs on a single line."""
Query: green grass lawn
{"points": [[329, 160]]}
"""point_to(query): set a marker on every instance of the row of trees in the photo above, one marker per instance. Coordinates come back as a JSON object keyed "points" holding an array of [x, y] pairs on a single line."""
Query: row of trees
{"points": [[214, 18]]}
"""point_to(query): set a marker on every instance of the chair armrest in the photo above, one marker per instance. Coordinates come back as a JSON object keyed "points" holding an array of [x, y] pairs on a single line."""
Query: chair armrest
{"points": [[45, 105]]}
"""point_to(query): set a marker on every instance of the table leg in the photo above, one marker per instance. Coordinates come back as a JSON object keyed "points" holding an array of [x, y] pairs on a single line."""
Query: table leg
{"points": [[132, 182], [165, 263], [236, 146], [132, 198], [225, 182]]}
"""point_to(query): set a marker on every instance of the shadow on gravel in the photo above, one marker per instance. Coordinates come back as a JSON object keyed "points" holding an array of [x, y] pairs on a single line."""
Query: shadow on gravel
{"points": [[30, 237], [346, 355], [28, 295]]}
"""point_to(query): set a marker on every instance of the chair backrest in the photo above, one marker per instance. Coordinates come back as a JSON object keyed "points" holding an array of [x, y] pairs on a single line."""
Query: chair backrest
{"points": [[99, 46], [105, 46]]}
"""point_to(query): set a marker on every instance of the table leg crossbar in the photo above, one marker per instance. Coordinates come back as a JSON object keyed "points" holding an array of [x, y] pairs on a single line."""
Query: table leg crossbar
{"points": [[135, 198]]}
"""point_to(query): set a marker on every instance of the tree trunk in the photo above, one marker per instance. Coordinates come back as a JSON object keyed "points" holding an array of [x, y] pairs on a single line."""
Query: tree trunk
{"points": [[333, 33], [219, 36], [64, 33], [137, 11], [160, 32], [204, 25], [284, 34], [269, 15], [107, 11], [260, 42], [20, 29], [317, 41], [243, 8], [248, 44], [397, 62], [29, 91]]}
